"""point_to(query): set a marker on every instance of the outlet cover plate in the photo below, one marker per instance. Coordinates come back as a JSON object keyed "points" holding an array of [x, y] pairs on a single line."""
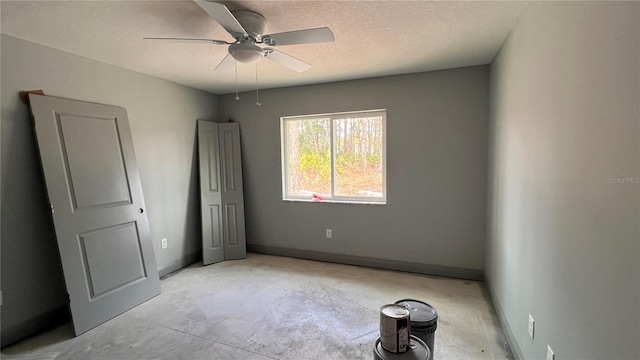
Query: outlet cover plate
{"points": [[531, 326], [329, 233], [164, 244], [550, 354]]}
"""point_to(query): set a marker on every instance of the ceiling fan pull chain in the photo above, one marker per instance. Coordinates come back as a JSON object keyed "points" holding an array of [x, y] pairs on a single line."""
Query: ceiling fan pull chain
{"points": [[235, 66], [257, 95]]}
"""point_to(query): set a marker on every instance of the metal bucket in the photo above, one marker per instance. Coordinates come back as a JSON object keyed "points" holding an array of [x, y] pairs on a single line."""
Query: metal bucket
{"points": [[418, 350], [395, 328], [424, 321]]}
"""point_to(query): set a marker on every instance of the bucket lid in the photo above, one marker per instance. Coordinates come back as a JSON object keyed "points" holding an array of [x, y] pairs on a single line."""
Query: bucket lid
{"points": [[418, 350], [395, 311], [420, 311]]}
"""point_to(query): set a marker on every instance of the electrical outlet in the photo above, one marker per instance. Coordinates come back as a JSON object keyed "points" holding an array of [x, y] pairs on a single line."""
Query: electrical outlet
{"points": [[531, 325], [164, 243], [550, 354], [329, 233]]}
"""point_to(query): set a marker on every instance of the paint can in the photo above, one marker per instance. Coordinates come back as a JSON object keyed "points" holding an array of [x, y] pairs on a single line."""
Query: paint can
{"points": [[424, 321], [395, 328], [417, 350]]}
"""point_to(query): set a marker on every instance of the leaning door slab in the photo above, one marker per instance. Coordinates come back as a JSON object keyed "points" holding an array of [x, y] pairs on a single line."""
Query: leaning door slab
{"points": [[222, 200], [235, 246], [97, 205], [210, 193]]}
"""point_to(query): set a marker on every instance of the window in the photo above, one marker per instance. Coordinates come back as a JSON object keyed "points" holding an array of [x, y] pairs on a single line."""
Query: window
{"points": [[334, 157]]}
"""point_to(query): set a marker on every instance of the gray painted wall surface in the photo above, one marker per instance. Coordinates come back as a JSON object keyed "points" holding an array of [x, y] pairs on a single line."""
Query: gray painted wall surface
{"points": [[163, 123], [563, 241], [437, 126]]}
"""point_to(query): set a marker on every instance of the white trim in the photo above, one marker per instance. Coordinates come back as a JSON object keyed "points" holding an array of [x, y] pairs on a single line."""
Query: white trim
{"points": [[333, 114], [334, 201], [332, 117], [332, 144], [283, 156]]}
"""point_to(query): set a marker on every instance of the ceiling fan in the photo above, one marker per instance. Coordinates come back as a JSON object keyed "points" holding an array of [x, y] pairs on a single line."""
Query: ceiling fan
{"points": [[247, 28]]}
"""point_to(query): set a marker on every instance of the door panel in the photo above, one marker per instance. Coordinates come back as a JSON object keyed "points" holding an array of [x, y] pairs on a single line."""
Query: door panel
{"points": [[93, 183], [112, 258], [94, 189], [216, 232], [210, 195], [212, 160], [231, 224], [230, 158]]}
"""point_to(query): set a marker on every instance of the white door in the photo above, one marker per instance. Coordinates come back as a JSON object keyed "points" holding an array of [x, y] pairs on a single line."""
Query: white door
{"points": [[222, 200], [97, 206], [210, 194]]}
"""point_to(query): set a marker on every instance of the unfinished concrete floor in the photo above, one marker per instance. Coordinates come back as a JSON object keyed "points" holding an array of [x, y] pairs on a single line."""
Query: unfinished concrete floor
{"points": [[269, 307]]}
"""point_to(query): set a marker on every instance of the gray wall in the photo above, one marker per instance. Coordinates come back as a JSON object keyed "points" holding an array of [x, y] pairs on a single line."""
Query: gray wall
{"points": [[163, 124], [563, 239], [437, 126]]}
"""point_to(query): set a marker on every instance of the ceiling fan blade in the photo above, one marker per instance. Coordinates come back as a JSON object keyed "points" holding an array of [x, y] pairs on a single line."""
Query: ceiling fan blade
{"points": [[224, 17], [286, 60], [307, 36], [216, 42], [227, 64]]}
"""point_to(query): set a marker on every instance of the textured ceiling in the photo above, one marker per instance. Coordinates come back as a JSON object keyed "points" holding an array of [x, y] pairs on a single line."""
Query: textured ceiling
{"points": [[373, 38]]}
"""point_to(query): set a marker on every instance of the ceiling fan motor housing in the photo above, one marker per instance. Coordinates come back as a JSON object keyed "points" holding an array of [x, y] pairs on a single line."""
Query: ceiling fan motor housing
{"points": [[246, 51], [252, 22]]}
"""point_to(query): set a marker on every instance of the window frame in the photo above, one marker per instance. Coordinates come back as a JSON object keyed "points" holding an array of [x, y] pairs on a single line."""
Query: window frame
{"points": [[382, 200]]}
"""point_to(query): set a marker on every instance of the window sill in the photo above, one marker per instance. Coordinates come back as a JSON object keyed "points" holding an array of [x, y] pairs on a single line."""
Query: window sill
{"points": [[338, 201]]}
